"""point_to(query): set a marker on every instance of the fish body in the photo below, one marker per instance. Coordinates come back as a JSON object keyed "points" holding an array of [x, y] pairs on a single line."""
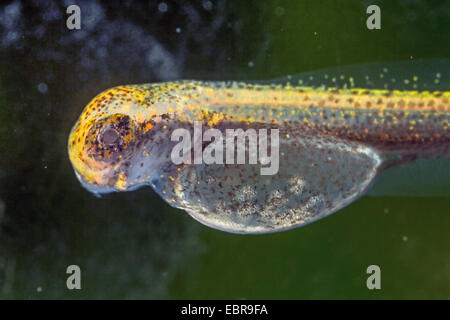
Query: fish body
{"points": [[325, 143]]}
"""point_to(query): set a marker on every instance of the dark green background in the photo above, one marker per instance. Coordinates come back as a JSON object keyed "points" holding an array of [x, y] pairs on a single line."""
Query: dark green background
{"points": [[132, 245]]}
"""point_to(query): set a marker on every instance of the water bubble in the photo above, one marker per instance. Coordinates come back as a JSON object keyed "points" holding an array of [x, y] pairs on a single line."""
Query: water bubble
{"points": [[162, 7], [207, 5], [42, 87], [11, 37]]}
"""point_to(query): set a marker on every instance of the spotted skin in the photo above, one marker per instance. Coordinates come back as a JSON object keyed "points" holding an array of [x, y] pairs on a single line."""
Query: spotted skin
{"points": [[332, 143]]}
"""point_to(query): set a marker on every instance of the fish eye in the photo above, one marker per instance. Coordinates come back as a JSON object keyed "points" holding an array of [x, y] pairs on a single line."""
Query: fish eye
{"points": [[111, 138]]}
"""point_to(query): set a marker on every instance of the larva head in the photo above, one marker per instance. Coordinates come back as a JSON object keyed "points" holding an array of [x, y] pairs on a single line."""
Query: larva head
{"points": [[100, 150], [111, 144], [102, 143]]}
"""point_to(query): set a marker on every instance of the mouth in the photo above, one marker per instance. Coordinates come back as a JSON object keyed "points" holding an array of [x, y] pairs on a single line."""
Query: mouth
{"points": [[98, 179], [95, 189]]}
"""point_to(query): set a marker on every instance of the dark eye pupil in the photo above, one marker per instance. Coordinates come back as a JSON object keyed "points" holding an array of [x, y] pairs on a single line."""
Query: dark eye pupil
{"points": [[110, 137]]}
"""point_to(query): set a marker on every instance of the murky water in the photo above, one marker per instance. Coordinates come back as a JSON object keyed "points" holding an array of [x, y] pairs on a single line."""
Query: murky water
{"points": [[133, 245]]}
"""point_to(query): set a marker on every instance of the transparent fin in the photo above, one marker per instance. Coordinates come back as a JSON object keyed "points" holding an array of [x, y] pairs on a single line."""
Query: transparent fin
{"points": [[423, 177], [427, 74]]}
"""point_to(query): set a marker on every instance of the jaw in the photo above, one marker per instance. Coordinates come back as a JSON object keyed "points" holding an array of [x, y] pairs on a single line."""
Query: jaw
{"points": [[96, 190], [94, 176]]}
